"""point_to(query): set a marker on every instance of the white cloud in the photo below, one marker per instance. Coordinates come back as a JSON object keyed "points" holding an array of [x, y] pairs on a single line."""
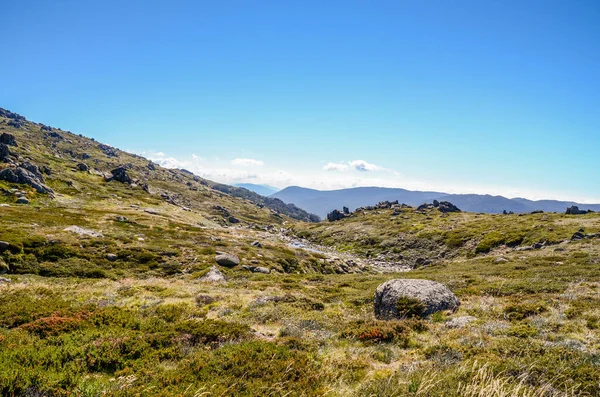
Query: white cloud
{"points": [[362, 165], [335, 167], [247, 162]]}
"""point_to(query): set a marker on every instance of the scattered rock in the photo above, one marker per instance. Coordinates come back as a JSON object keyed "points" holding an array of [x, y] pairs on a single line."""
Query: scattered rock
{"points": [[15, 123], [577, 236], [120, 218], [83, 231], [5, 280], [233, 219], [112, 257], [214, 275], [526, 248], [55, 135], [501, 260], [433, 295], [227, 260], [8, 139], [257, 269], [82, 167], [460, 322], [4, 246], [256, 244], [22, 200]]}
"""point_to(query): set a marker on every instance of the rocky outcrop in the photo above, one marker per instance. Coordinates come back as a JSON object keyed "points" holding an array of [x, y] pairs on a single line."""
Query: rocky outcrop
{"points": [[574, 210], [11, 115], [25, 176], [335, 215], [82, 167], [120, 174], [227, 260], [442, 206], [446, 206], [4, 153], [16, 123], [8, 139], [108, 150], [55, 135], [434, 296], [33, 169]]}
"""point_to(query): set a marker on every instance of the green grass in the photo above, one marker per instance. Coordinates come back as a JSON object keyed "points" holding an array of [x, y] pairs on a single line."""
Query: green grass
{"points": [[74, 322]]}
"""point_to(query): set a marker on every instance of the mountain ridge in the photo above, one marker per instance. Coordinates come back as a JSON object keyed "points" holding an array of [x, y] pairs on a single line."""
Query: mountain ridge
{"points": [[321, 202]]}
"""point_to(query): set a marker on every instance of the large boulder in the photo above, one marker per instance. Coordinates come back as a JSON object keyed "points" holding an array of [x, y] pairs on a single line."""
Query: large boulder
{"points": [[8, 139], [24, 176], [120, 174], [227, 260], [434, 296]]}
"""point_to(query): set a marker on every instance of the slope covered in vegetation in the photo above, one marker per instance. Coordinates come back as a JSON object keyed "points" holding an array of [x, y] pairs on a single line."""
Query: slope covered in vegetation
{"points": [[104, 290]]}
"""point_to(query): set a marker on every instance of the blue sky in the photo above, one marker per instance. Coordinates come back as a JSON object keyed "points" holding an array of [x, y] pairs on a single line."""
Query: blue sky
{"points": [[498, 97]]}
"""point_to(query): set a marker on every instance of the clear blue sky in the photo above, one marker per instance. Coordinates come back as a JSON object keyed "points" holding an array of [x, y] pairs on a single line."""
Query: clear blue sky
{"points": [[482, 96]]}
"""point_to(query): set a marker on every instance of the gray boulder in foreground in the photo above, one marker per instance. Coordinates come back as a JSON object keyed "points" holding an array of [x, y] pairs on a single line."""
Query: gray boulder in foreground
{"points": [[227, 260], [435, 296]]}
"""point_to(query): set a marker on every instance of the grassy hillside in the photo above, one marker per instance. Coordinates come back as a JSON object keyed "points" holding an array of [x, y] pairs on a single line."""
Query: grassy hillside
{"points": [[121, 309], [415, 237]]}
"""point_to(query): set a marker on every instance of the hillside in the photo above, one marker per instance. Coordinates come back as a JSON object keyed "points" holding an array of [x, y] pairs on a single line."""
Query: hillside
{"points": [[322, 202], [112, 285]]}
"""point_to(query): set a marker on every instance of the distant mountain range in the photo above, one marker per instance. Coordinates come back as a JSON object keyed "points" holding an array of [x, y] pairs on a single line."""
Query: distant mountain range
{"points": [[263, 190], [321, 202]]}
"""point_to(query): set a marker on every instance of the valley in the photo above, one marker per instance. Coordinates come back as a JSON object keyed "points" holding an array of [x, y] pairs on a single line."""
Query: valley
{"points": [[104, 291]]}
